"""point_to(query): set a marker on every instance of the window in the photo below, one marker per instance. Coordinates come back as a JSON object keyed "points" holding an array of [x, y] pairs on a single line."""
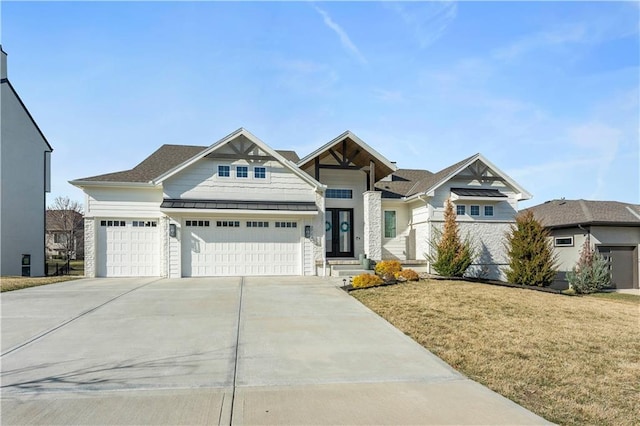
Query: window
{"points": [[58, 238], [461, 210], [228, 224], [389, 224], [339, 193], [242, 171], [112, 223], [257, 224], [142, 223], [193, 223], [563, 242], [286, 224], [223, 171], [488, 210], [475, 210], [260, 172]]}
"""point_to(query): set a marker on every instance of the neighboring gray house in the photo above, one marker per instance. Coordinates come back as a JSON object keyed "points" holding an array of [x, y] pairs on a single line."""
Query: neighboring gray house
{"points": [[25, 180], [613, 228], [239, 207]]}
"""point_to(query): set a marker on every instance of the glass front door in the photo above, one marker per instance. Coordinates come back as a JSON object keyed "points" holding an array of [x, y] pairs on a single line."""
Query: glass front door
{"points": [[339, 232]]}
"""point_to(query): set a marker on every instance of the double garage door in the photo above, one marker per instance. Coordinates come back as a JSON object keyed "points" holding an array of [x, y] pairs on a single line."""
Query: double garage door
{"points": [[211, 247], [240, 247]]}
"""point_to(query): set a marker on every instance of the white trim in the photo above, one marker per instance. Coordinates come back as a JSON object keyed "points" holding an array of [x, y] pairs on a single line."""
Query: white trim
{"points": [[264, 147], [353, 137], [91, 183], [570, 237]]}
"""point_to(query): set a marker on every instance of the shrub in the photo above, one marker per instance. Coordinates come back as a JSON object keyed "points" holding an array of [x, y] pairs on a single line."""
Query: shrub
{"points": [[530, 251], [591, 273], [388, 267], [408, 274], [366, 280], [452, 255]]}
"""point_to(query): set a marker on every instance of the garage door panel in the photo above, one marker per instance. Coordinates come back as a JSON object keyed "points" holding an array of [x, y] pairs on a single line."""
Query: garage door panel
{"points": [[237, 251], [127, 250]]}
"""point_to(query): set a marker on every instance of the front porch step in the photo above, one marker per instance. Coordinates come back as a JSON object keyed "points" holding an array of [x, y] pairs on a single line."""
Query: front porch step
{"points": [[348, 272]]}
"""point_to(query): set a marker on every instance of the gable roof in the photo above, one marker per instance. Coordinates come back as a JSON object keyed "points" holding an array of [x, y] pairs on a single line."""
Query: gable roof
{"points": [[230, 137], [430, 183], [568, 213], [383, 166], [5, 81], [398, 184]]}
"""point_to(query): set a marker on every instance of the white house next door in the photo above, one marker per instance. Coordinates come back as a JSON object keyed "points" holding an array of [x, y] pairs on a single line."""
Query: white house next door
{"points": [[226, 247], [128, 248]]}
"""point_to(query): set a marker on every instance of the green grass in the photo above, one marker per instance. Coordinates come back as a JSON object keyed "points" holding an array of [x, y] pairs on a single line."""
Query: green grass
{"points": [[571, 360], [618, 297], [18, 283]]}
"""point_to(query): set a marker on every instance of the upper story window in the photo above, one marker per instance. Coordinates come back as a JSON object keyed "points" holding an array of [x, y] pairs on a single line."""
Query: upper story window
{"points": [[461, 210], [260, 172], [224, 171], [475, 210], [242, 171], [339, 193], [488, 210]]}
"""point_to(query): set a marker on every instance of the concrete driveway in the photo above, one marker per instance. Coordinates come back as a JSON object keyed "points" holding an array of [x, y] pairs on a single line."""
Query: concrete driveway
{"points": [[255, 350]]}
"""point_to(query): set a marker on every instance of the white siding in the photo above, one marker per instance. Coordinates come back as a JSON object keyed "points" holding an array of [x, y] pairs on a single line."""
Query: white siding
{"points": [[398, 247], [22, 197], [123, 202], [200, 181]]}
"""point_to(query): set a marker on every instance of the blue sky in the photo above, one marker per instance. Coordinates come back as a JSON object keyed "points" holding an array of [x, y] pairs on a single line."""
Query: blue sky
{"points": [[547, 91]]}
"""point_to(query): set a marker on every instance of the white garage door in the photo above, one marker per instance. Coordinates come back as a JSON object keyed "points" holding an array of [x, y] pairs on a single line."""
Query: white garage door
{"points": [[128, 248], [238, 248]]}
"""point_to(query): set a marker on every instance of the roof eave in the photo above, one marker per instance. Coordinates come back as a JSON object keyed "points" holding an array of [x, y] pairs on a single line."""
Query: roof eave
{"points": [[110, 184]]}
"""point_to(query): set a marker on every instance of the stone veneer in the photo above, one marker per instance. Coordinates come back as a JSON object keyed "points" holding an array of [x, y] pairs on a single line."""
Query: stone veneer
{"points": [[373, 224], [89, 247]]}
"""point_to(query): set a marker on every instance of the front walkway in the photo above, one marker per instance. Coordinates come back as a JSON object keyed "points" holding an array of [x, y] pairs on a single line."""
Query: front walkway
{"points": [[256, 350]]}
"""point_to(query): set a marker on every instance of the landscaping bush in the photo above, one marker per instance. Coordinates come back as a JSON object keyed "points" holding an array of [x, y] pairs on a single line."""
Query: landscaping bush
{"points": [[530, 251], [591, 273], [452, 255], [408, 274], [366, 280], [388, 267]]}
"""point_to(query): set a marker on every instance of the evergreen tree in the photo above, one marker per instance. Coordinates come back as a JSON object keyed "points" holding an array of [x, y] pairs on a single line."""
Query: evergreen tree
{"points": [[591, 273], [530, 251], [452, 255]]}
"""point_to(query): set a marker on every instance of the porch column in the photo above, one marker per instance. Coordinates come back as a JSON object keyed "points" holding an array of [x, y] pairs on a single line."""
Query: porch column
{"points": [[373, 224]]}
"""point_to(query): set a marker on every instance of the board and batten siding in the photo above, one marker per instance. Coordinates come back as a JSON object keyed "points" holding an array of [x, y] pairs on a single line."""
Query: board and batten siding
{"points": [[503, 210], [201, 181]]}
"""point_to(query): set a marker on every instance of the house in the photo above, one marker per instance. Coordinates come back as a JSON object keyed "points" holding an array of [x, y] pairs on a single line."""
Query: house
{"points": [[612, 227], [65, 234], [239, 207], [25, 157]]}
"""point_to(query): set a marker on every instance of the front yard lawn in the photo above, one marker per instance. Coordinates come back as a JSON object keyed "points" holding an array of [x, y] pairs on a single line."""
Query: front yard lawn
{"points": [[17, 283], [571, 360]]}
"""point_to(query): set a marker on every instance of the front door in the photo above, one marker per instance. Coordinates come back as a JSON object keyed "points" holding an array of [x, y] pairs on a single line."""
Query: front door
{"points": [[339, 232]]}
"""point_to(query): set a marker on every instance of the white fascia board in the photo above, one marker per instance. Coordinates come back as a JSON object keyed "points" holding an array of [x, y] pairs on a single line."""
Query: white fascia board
{"points": [[107, 184], [234, 212], [263, 146], [356, 139], [523, 193]]}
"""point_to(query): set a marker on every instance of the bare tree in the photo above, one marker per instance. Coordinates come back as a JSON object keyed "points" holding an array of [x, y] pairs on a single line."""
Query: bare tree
{"points": [[65, 218]]}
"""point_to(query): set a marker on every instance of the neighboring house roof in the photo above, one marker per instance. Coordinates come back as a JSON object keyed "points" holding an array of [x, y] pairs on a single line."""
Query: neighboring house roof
{"points": [[289, 155], [54, 219], [10, 86], [567, 213]]}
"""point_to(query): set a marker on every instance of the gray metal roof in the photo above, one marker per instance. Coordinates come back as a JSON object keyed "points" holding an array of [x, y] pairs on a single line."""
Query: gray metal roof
{"points": [[566, 213], [238, 205], [478, 192]]}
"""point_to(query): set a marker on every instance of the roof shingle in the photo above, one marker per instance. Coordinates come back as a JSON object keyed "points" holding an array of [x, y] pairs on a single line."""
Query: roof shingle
{"points": [[565, 213]]}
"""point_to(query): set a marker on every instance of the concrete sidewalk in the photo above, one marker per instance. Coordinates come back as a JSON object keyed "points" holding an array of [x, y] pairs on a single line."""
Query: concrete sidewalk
{"points": [[258, 350]]}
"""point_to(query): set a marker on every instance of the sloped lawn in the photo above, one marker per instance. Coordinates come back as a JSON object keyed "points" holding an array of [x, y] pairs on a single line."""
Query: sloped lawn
{"points": [[571, 360], [17, 283]]}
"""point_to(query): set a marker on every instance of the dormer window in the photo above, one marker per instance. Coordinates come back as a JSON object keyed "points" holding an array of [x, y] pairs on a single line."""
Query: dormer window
{"points": [[242, 172]]}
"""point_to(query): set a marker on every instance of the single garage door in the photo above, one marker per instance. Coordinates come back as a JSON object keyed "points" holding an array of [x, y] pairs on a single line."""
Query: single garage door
{"points": [[216, 247], [128, 248], [622, 264]]}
